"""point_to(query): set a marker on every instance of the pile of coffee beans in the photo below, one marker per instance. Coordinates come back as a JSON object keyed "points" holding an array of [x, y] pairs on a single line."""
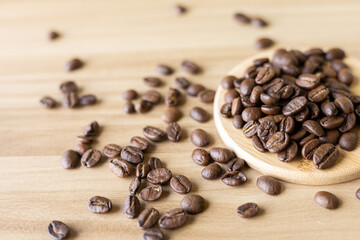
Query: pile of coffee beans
{"points": [[298, 102]]}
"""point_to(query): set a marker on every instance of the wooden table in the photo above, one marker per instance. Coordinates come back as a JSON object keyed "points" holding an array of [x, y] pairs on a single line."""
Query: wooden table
{"points": [[121, 42]]}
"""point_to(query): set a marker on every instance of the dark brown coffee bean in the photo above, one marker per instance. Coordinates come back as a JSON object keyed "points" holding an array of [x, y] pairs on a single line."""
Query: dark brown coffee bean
{"points": [[182, 82], [153, 234], [154, 163], [326, 200], [255, 94], [258, 144], [148, 218], [132, 154], [331, 136], [73, 65], [99, 204], [111, 150], [194, 89], [287, 125], [230, 95], [236, 107], [171, 114], [143, 106], [295, 106], [262, 43], [206, 96], [172, 97], [200, 138], [247, 86], [286, 92], [345, 76], [289, 153], [221, 155], [270, 109], [174, 132], [318, 94], [68, 87], [234, 178], [266, 129], [173, 219], [120, 167], [307, 81], [90, 158], [130, 94], [264, 75], [69, 159], [151, 193], [258, 22], [344, 104], [180, 184], [70, 100], [228, 82], [159, 176], [337, 65], [53, 35], [211, 171], [313, 127], [242, 18], [89, 99], [348, 141], [58, 230], [331, 122], [131, 207], [325, 156], [314, 110], [225, 110], [235, 165], [190, 67], [306, 139], [164, 69], [309, 148], [153, 97], [238, 122], [142, 170], [269, 99], [154, 134], [152, 81], [268, 185], [140, 143], [278, 142], [134, 185], [250, 128], [260, 61], [193, 204], [48, 102], [248, 210], [201, 157], [81, 148], [92, 129], [179, 10], [335, 85], [199, 114], [129, 107], [297, 136], [251, 114], [335, 53], [349, 123]]}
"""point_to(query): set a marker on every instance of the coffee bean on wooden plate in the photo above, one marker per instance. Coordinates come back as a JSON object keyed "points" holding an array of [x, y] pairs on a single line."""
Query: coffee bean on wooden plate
{"points": [[278, 142], [193, 204], [134, 185], [335, 53], [154, 163], [331, 122], [81, 148], [131, 207], [348, 141], [344, 104], [201, 157], [148, 218], [70, 100], [174, 132], [48, 102], [151, 193], [182, 82], [164, 69], [171, 114], [309, 148], [200, 138], [120, 167], [190, 67], [129, 107], [174, 218], [152, 96], [152, 234], [235, 165], [159, 176], [130, 94], [331, 136], [221, 155], [325, 156], [307, 81], [90, 158], [225, 110], [318, 94], [111, 150], [234, 178], [180, 184], [99, 204], [248, 210], [268, 185], [313, 127], [92, 129], [258, 22], [199, 114], [58, 230], [228, 82], [258, 144], [295, 106], [238, 122], [194, 89], [251, 114], [142, 170], [154, 134], [326, 200], [132, 154], [88, 99], [262, 43], [289, 153], [250, 128], [211, 171], [345, 76], [206, 96], [287, 125], [140, 143], [73, 64]]}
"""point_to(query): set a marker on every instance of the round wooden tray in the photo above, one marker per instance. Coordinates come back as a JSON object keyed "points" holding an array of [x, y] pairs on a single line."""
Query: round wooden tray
{"points": [[300, 171]]}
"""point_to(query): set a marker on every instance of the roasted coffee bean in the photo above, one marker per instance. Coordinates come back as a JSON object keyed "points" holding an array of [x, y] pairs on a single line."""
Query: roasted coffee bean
{"points": [[180, 184], [153, 97], [274, 85], [201, 157], [131, 207], [99, 204], [164, 69], [258, 144], [260, 61], [134, 185], [70, 100], [270, 109], [326, 200], [111, 150], [211, 171], [242, 18], [52, 35], [247, 86], [151, 193], [129, 107], [190, 67], [358, 193], [140, 143], [92, 129], [173, 219], [199, 114], [250, 128], [69, 159], [48, 102], [264, 75], [291, 70], [348, 141], [314, 110], [200, 138], [235, 165], [171, 114], [307, 81], [90, 158], [172, 97], [306, 139], [355, 99], [58, 230], [230, 95], [238, 122], [309, 148], [251, 114], [154, 134], [289, 153], [236, 107], [182, 82], [331, 136], [130, 94], [335, 85], [225, 110], [174, 132], [337, 65], [325, 156], [318, 94], [262, 43], [286, 92], [73, 65], [68, 87], [297, 136], [287, 125], [120, 167], [193, 204], [268, 185], [331, 122], [89, 99], [248, 210], [159, 176], [302, 116], [143, 106], [132, 154], [344, 104], [234, 178], [154, 163], [255, 94], [335, 53], [142, 170], [313, 127], [206, 96], [295, 106], [179, 10], [194, 89], [221, 155], [148, 218], [345, 76], [349, 123], [258, 22], [266, 129], [153, 234], [269, 99], [277, 142], [228, 82], [152, 81], [81, 148]]}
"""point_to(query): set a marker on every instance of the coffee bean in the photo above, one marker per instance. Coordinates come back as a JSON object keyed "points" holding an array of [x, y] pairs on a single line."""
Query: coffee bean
{"points": [[89, 99], [228, 82], [173, 219], [349, 123], [262, 43], [73, 65], [148, 218], [238, 122], [172, 97], [194, 89], [307, 81], [206, 96], [120, 167], [58, 230], [182, 82], [309, 148], [151, 193], [130, 94], [348, 141], [313, 127], [152, 81], [111, 150], [248, 210], [326, 200], [236, 107], [242, 18], [164, 69], [132, 154], [306, 139], [335, 53], [286, 92], [344, 104], [268, 185], [287, 125], [92, 129], [69, 159], [295, 106], [264, 75], [250, 128], [269, 99], [251, 114], [258, 144], [81, 148], [200, 138], [68, 87], [270, 109], [255, 94], [154, 163], [325, 156], [179, 10], [302, 116], [266, 129], [70, 100], [134, 185], [221, 155], [337, 65], [90, 158], [258, 22], [211, 171], [297, 136], [199, 114], [52, 35], [190, 67], [154, 134], [201, 157], [235, 165], [129, 107], [174, 132], [358, 193], [159, 176], [318, 94], [331, 136], [48, 102], [171, 114], [289, 153], [329, 109], [143, 106], [278, 142], [180, 184], [234, 178], [331, 122], [131, 207], [99, 204], [142, 170], [193, 204], [153, 234], [345, 76], [314, 110], [140, 143], [225, 110], [246, 87], [152, 96]]}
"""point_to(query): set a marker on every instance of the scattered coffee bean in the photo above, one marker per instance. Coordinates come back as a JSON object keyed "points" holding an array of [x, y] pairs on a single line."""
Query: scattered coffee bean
{"points": [[151, 193], [180, 184], [152, 81], [154, 134], [81, 148], [194, 89], [235, 165], [154, 163], [142, 170], [130, 94], [190, 67], [48, 102], [211, 171], [134, 185], [206, 96], [348, 141], [171, 114], [200, 138], [140, 143], [268, 185], [248, 210], [152, 96], [325, 156], [68, 87], [90, 158], [143, 106], [153, 234], [221, 155], [111, 150], [182, 82], [159, 176], [73, 64], [193, 204], [234, 178], [148, 218], [92, 129], [258, 22], [120, 167], [53, 35], [132, 154], [89, 99], [201, 157], [173, 219], [70, 100], [174, 132], [99, 204], [242, 18], [129, 107], [326, 200], [58, 230], [179, 10], [172, 97], [164, 69], [70, 159], [262, 43], [131, 207], [199, 114]]}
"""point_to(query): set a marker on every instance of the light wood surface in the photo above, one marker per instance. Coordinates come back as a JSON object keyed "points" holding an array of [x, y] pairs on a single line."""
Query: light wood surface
{"points": [[299, 170], [121, 42]]}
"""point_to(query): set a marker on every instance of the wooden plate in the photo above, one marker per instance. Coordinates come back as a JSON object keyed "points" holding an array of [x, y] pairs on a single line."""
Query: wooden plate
{"points": [[299, 170]]}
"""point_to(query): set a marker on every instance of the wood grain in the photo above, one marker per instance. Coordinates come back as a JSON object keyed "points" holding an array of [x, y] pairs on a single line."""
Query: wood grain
{"points": [[121, 42]]}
